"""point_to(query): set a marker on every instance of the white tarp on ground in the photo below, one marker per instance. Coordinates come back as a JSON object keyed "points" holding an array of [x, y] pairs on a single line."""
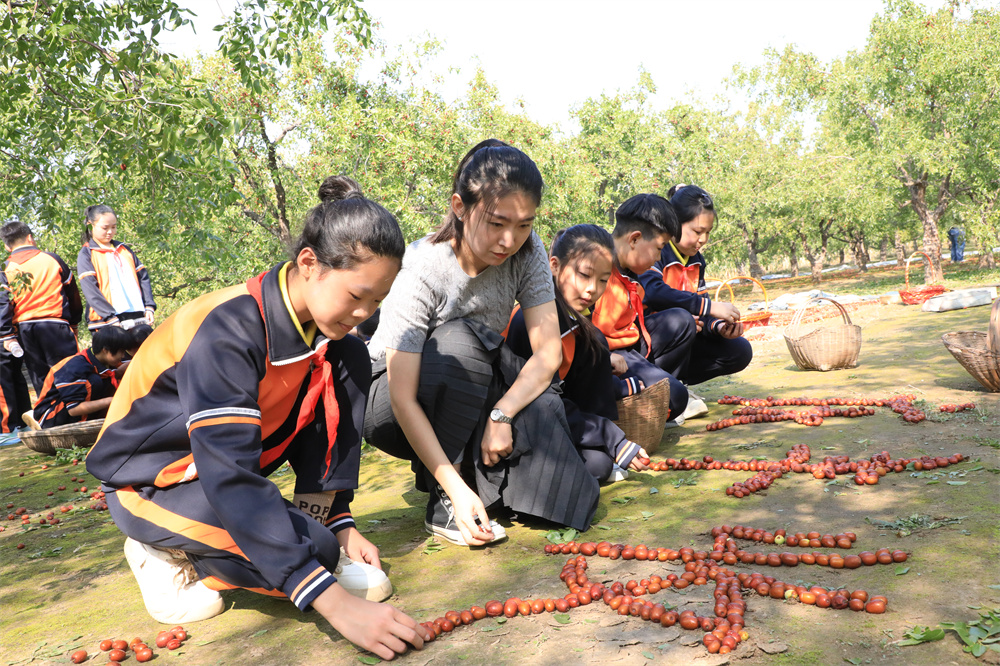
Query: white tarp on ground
{"points": [[800, 299], [963, 298]]}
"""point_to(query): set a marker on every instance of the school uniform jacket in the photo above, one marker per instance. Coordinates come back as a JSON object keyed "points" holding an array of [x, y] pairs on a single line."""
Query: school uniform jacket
{"points": [[676, 281], [95, 279], [224, 392], [618, 313], [75, 379], [588, 387], [50, 293]]}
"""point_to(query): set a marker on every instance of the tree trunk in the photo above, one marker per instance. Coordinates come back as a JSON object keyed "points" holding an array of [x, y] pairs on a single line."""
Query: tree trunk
{"points": [[793, 260], [841, 260], [929, 219], [900, 249], [815, 260], [883, 249], [752, 241], [857, 241]]}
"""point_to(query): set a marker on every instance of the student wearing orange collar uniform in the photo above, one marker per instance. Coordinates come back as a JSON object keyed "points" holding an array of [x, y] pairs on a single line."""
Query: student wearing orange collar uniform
{"points": [[39, 310], [644, 224], [676, 285], [221, 395], [115, 283], [581, 263], [80, 387]]}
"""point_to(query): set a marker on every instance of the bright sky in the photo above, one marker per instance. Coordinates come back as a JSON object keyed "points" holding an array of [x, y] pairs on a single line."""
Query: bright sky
{"points": [[554, 54]]}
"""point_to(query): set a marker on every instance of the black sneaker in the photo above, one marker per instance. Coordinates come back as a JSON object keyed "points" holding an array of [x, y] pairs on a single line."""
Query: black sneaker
{"points": [[440, 520]]}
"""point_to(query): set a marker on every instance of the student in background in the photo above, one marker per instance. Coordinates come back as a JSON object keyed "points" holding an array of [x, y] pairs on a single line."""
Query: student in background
{"points": [[114, 281], [483, 429], [222, 394], [39, 303], [675, 287], [581, 263], [80, 387], [644, 224]]}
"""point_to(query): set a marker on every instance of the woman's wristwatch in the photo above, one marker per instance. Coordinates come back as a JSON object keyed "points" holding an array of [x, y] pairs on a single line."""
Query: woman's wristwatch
{"points": [[497, 416]]}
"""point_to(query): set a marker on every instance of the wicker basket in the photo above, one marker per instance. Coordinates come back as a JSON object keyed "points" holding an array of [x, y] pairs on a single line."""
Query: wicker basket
{"points": [[979, 353], [48, 440], [643, 415], [754, 318], [918, 295], [824, 348]]}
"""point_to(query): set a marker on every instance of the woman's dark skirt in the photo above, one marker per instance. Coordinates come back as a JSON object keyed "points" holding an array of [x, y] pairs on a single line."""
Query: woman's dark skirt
{"points": [[465, 368]]}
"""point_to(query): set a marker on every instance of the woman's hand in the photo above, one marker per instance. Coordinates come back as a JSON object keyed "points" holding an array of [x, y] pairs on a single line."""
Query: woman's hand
{"points": [[378, 628], [619, 366], [498, 442], [637, 464], [468, 507], [357, 547], [731, 331], [150, 316]]}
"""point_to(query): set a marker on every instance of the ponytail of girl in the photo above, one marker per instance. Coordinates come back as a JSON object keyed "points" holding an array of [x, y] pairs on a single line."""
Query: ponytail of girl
{"points": [[92, 214], [490, 171], [346, 229]]}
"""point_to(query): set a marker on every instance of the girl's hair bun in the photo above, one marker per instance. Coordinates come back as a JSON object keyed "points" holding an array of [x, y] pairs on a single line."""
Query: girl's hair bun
{"points": [[673, 190], [339, 188]]}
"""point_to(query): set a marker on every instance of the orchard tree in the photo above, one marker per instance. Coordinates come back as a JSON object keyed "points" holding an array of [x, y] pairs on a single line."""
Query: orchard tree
{"points": [[923, 95], [92, 110]]}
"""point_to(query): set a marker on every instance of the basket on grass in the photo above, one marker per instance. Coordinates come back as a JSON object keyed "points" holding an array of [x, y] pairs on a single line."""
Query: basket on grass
{"points": [[979, 353], [753, 318], [48, 440], [825, 347], [918, 295], [643, 415]]}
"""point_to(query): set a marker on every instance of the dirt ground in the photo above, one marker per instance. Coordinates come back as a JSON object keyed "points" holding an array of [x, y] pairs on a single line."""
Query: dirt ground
{"points": [[70, 586]]}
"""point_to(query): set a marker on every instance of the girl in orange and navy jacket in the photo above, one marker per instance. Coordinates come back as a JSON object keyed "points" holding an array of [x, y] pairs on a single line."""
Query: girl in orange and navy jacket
{"points": [[228, 389], [675, 287], [114, 281], [581, 263]]}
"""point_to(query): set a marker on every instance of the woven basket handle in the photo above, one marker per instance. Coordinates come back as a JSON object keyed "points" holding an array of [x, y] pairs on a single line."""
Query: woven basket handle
{"points": [[993, 334], [906, 272], [843, 312], [742, 277], [722, 283]]}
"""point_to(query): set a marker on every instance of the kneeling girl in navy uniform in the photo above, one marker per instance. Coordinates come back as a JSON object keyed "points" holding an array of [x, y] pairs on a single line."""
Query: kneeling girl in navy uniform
{"points": [[224, 392]]}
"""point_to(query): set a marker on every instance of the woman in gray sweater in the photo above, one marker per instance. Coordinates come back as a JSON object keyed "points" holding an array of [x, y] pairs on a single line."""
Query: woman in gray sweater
{"points": [[482, 427]]}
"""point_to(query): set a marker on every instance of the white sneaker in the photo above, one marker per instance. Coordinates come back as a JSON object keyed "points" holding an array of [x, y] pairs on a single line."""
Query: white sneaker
{"points": [[169, 585], [617, 474], [362, 579], [29, 420], [696, 407]]}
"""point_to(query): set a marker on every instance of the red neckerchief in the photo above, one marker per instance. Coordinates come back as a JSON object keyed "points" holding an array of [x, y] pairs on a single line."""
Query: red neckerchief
{"points": [[635, 301], [320, 382]]}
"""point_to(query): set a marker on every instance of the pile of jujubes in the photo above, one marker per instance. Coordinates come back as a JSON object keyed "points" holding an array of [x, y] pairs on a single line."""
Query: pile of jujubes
{"points": [[761, 410], [866, 472], [725, 629]]}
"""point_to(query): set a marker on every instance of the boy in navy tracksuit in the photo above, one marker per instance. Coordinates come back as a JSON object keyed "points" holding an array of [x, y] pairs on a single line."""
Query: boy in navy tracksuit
{"points": [[674, 288], [39, 310], [644, 224], [81, 386]]}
